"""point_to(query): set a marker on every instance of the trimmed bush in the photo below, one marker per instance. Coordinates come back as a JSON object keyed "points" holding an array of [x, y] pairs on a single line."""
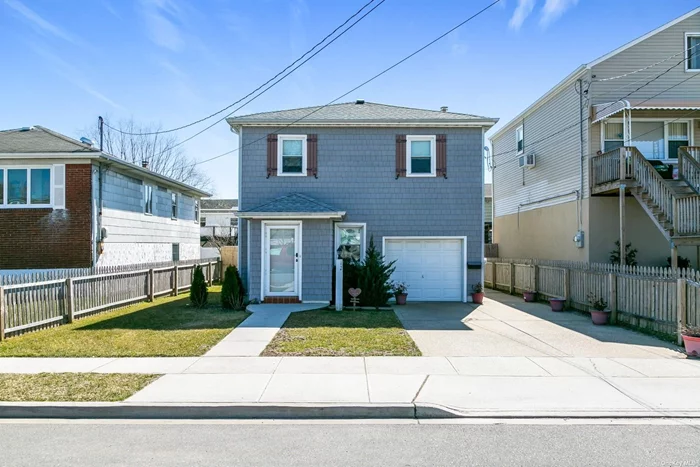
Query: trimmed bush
{"points": [[232, 290], [374, 278], [198, 289]]}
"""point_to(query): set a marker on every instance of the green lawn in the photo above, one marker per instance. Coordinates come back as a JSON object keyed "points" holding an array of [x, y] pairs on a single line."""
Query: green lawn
{"points": [[344, 333], [168, 327], [71, 387]]}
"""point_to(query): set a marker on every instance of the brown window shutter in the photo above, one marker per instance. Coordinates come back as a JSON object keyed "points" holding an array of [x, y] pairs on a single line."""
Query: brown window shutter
{"points": [[441, 156], [400, 156], [312, 155], [271, 155]]}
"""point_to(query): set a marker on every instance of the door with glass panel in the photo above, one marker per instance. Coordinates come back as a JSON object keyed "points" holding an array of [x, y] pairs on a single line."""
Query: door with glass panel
{"points": [[281, 260]]}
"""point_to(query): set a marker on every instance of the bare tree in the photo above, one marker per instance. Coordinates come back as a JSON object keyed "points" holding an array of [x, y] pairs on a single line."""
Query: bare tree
{"points": [[160, 151]]}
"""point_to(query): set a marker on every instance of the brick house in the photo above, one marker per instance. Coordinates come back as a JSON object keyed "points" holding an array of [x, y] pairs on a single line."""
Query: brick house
{"points": [[335, 176], [65, 204]]}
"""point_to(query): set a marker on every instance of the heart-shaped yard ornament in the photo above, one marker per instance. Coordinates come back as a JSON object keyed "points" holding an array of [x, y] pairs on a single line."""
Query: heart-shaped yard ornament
{"points": [[354, 292]]}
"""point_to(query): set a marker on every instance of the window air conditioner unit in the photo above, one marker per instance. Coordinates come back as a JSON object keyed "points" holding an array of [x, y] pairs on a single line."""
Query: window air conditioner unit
{"points": [[527, 161]]}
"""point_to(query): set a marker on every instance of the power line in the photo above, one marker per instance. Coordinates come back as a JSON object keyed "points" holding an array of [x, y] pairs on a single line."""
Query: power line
{"points": [[475, 15], [265, 83], [604, 108]]}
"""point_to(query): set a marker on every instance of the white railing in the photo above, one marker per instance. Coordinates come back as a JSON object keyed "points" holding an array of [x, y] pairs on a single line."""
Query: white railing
{"points": [[39, 304]]}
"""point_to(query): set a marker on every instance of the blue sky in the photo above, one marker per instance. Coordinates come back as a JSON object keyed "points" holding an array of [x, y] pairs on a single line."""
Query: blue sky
{"points": [[170, 62]]}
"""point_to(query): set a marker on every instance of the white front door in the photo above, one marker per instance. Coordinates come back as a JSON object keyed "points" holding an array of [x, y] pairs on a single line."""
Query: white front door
{"points": [[433, 268], [282, 260]]}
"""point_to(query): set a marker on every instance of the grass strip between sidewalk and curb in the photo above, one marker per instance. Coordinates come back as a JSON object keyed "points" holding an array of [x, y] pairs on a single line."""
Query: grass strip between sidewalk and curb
{"points": [[167, 327], [71, 387], [346, 333]]}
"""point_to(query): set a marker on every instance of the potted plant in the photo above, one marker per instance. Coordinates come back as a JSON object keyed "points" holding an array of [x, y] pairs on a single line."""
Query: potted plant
{"points": [[600, 312], [400, 291], [478, 293], [529, 295], [557, 303], [691, 340]]}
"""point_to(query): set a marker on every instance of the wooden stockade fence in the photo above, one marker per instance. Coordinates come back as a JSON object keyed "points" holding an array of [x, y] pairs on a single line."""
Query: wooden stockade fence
{"points": [[34, 302], [658, 299]]}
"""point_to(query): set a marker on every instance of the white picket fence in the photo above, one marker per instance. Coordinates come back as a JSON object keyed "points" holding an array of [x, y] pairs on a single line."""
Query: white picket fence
{"points": [[37, 300], [659, 299]]}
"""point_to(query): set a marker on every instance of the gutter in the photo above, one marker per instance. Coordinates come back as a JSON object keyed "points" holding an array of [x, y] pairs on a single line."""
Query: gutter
{"points": [[291, 215]]}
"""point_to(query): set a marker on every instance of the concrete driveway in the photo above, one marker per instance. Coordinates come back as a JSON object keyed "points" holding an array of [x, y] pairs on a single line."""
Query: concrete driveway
{"points": [[507, 326]]}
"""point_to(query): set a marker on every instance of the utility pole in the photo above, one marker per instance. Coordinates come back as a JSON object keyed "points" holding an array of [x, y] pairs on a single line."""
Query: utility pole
{"points": [[101, 126]]}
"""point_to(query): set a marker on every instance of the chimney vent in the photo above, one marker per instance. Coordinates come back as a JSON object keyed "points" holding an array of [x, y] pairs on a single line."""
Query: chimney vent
{"points": [[443, 108], [145, 165], [360, 101]]}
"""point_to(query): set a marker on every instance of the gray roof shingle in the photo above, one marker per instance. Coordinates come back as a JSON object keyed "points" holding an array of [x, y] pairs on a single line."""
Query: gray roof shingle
{"points": [[368, 112], [38, 139], [219, 203], [293, 202]]}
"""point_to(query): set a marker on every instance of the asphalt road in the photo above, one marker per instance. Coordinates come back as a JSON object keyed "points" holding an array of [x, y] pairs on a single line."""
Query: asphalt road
{"points": [[106, 444]]}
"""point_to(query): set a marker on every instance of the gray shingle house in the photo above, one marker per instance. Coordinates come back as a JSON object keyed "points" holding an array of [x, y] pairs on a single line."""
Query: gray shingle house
{"points": [[321, 180]]}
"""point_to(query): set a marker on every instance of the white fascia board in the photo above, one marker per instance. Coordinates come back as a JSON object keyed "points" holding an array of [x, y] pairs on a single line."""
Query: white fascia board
{"points": [[541, 101], [477, 123]]}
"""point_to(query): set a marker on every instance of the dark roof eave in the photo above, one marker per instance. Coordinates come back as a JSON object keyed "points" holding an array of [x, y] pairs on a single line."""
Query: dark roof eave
{"points": [[485, 122]]}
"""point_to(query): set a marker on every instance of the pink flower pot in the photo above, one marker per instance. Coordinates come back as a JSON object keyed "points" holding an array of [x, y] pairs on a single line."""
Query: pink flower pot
{"points": [[557, 304], [692, 345], [478, 298], [529, 296], [401, 298], [600, 317]]}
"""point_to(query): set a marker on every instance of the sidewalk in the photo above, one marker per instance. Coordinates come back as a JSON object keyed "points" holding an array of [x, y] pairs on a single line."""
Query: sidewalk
{"points": [[475, 386]]}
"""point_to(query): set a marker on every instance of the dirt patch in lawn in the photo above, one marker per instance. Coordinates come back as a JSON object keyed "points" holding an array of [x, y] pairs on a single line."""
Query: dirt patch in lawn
{"points": [[345, 333]]}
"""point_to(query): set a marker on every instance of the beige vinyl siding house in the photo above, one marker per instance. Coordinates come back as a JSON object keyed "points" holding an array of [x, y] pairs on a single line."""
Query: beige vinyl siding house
{"points": [[539, 211]]}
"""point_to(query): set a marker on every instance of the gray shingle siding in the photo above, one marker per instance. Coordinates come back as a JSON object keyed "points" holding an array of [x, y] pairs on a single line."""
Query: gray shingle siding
{"points": [[356, 174]]}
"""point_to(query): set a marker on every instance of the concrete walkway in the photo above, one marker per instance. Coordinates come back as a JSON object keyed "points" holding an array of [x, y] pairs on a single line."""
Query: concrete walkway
{"points": [[507, 326], [251, 337]]}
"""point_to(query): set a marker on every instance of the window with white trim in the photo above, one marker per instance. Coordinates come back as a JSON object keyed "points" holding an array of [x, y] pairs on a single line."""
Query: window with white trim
{"points": [[692, 51], [26, 187], [420, 156], [613, 136], [678, 136], [520, 139], [291, 155], [173, 204], [196, 211], [148, 199], [350, 241]]}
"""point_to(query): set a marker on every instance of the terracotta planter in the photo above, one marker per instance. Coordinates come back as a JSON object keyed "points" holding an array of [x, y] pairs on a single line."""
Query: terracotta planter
{"points": [[478, 298], [692, 345], [529, 296], [600, 317], [557, 304], [401, 298]]}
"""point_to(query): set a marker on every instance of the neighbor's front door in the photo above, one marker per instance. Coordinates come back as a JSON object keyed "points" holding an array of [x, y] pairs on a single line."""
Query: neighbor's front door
{"points": [[281, 258]]}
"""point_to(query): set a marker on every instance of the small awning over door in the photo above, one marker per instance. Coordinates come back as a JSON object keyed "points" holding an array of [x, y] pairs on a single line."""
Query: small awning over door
{"points": [[292, 206]]}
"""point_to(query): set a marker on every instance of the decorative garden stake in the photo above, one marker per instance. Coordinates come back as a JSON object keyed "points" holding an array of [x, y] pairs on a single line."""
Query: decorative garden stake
{"points": [[354, 293]]}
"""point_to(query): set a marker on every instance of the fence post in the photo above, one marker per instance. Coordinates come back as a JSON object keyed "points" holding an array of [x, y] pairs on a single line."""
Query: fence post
{"points": [[176, 280], [567, 288], [682, 308], [70, 303], [535, 277], [612, 283], [493, 275], [151, 285], [220, 265], [2, 314], [511, 287], [210, 273]]}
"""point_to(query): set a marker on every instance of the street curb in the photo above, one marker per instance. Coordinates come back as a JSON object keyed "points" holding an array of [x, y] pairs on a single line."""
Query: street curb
{"points": [[292, 411]]}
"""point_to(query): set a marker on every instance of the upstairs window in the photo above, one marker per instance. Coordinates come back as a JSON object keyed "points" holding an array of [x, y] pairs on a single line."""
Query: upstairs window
{"points": [[678, 136], [692, 51], [291, 157], [613, 136], [173, 203], [30, 187], [202, 221], [148, 199], [196, 211], [420, 156], [520, 139]]}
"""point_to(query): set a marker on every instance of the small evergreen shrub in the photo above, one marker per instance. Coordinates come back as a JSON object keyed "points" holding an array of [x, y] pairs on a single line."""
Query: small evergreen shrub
{"points": [[232, 290], [198, 289], [630, 254], [374, 278]]}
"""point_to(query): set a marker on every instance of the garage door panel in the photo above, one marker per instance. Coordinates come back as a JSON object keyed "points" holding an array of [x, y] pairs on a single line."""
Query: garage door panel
{"points": [[432, 268]]}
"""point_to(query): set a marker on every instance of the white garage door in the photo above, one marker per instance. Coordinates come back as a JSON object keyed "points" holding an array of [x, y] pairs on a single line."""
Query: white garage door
{"points": [[432, 268]]}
